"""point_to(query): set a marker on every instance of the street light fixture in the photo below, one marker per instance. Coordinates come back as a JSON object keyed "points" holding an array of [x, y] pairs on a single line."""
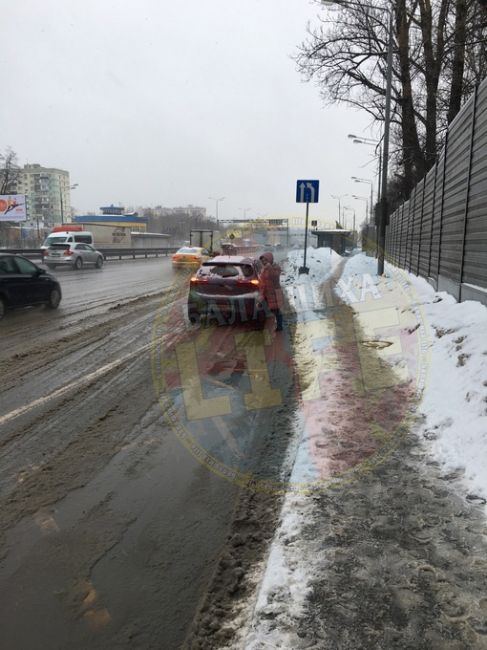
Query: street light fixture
{"points": [[358, 139], [387, 124], [217, 201]]}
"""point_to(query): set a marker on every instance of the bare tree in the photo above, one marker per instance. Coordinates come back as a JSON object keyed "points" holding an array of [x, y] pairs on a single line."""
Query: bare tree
{"points": [[8, 171], [439, 54]]}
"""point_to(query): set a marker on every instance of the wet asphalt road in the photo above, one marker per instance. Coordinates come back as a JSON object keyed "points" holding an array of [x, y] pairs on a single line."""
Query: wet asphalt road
{"points": [[109, 528]]}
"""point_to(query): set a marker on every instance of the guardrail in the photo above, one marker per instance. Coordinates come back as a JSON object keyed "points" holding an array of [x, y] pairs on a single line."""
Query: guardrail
{"points": [[108, 253], [120, 253]]}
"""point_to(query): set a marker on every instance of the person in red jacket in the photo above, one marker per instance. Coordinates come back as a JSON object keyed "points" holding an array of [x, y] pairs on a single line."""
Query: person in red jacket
{"points": [[271, 286]]}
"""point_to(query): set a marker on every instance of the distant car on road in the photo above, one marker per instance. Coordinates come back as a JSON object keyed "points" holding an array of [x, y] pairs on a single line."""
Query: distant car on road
{"points": [[226, 289], [75, 255], [190, 256], [23, 284]]}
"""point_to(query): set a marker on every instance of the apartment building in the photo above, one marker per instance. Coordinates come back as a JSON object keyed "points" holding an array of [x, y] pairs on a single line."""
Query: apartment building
{"points": [[47, 192]]}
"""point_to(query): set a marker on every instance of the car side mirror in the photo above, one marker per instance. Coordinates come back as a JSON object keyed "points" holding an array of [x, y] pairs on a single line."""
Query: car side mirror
{"points": [[41, 272]]}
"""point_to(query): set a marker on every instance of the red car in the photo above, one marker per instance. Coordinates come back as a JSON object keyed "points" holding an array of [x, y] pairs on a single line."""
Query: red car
{"points": [[226, 289]]}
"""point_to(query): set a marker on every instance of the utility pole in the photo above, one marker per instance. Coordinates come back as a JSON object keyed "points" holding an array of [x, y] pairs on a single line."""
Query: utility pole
{"points": [[385, 158], [62, 206]]}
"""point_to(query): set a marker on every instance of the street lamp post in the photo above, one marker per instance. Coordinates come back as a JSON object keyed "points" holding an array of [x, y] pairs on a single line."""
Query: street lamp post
{"points": [[217, 201], [375, 143], [363, 198], [71, 187], [347, 207], [339, 197], [387, 124], [371, 183]]}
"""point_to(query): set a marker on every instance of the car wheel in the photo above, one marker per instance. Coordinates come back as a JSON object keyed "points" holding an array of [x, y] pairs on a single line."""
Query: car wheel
{"points": [[51, 266], [3, 308], [99, 262], [54, 299], [195, 317], [78, 263]]}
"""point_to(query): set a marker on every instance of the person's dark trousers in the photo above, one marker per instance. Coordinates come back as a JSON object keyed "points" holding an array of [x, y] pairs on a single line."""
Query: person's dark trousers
{"points": [[278, 315]]}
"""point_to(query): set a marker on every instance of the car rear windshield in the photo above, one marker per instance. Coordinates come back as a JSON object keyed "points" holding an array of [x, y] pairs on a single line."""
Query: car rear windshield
{"points": [[55, 240], [60, 246], [192, 251], [225, 270]]}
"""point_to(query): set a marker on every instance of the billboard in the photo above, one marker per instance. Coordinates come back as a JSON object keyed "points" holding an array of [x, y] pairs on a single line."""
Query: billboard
{"points": [[12, 207]]}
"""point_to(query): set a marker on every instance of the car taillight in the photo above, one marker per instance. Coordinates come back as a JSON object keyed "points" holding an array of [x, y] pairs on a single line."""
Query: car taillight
{"points": [[196, 280], [250, 283], [44, 252]]}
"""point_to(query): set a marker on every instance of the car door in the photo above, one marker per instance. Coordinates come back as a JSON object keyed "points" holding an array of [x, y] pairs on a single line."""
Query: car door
{"points": [[31, 285], [91, 254], [12, 284], [81, 250]]}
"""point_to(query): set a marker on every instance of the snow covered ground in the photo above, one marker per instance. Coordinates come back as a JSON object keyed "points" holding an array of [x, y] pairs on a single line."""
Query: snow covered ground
{"points": [[454, 398], [454, 428]]}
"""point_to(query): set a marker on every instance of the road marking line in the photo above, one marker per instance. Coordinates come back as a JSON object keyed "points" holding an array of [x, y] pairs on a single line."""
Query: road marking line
{"points": [[88, 379]]}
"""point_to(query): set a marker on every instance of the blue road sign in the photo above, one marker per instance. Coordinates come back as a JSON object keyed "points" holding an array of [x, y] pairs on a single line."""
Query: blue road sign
{"points": [[307, 191]]}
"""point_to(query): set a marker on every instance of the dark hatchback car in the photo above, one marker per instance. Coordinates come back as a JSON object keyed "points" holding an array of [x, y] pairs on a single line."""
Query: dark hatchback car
{"points": [[23, 283], [226, 289]]}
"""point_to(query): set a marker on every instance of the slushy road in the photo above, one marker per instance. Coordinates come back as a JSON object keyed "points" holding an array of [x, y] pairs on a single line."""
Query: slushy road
{"points": [[109, 528]]}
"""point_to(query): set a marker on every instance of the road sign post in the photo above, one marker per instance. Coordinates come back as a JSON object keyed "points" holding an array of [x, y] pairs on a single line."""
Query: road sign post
{"points": [[306, 192]]}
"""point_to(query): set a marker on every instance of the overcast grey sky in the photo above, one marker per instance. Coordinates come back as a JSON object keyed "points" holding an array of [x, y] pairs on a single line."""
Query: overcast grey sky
{"points": [[168, 102]]}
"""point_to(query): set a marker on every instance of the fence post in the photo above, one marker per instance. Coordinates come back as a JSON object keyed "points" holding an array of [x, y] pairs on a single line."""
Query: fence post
{"points": [[394, 238], [432, 217], [467, 197], [421, 225], [400, 235], [407, 234], [411, 229], [441, 210]]}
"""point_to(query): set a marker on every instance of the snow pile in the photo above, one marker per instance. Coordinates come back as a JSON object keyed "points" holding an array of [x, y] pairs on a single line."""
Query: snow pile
{"points": [[288, 574], [454, 397], [303, 290], [320, 261]]}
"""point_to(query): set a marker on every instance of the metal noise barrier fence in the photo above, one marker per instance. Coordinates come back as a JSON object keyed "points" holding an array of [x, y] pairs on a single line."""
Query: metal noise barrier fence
{"points": [[440, 233]]}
